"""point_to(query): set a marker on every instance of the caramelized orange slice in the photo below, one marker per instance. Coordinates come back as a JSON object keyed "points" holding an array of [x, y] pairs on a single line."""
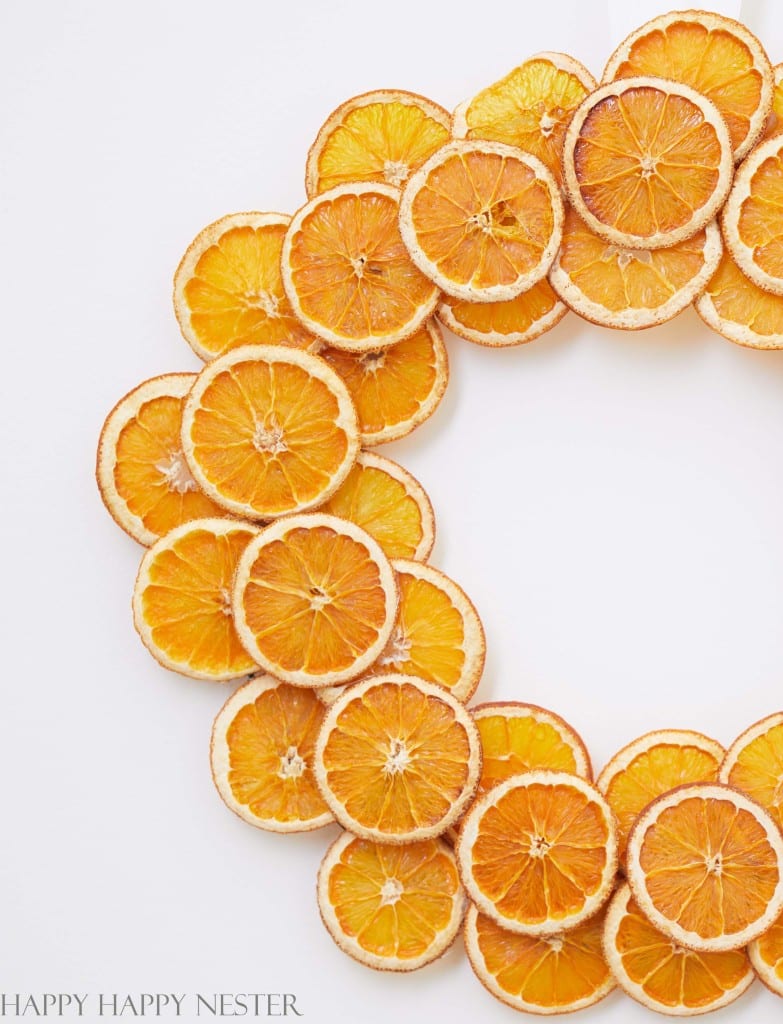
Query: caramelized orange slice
{"points": [[498, 324], [754, 764], [738, 309]]}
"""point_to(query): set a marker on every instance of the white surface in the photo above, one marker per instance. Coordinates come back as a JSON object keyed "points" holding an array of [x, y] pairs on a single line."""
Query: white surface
{"points": [[611, 502]]}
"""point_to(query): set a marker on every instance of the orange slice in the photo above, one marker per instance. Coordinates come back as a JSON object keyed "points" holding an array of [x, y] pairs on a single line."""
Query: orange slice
{"points": [[314, 599], [766, 955], [775, 120], [715, 55], [181, 601], [141, 470], [631, 288], [379, 136], [269, 430], [228, 290], [705, 864], [754, 764], [739, 310], [753, 216], [482, 220], [262, 756], [647, 162], [548, 974], [530, 108], [538, 852], [664, 976], [652, 765], [498, 324], [394, 389], [395, 908], [390, 504], [347, 273], [397, 759]]}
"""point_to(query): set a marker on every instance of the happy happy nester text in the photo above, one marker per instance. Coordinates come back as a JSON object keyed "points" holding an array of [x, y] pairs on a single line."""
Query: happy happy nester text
{"points": [[148, 1004]]}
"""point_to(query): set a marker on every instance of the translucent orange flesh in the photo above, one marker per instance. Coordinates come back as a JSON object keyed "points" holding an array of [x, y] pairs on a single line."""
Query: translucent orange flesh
{"points": [[382, 142], [271, 743], [547, 972], [382, 506], [689, 886], [775, 123], [394, 900], [397, 759], [314, 601], [770, 948], [236, 295], [759, 771], [646, 161], [513, 743], [187, 602], [739, 301], [351, 271], [671, 975], [483, 219], [267, 435], [715, 63], [388, 387], [540, 853], [530, 108], [761, 216], [517, 316]]}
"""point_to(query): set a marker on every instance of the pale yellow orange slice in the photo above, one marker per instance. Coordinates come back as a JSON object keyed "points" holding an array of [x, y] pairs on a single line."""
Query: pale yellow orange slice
{"points": [[498, 324], [735, 307], [766, 955], [754, 764]]}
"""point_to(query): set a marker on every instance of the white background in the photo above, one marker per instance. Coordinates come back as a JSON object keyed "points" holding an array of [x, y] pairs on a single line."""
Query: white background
{"points": [[613, 503]]}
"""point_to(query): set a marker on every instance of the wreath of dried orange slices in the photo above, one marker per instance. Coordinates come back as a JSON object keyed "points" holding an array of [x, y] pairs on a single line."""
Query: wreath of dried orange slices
{"points": [[285, 554]]}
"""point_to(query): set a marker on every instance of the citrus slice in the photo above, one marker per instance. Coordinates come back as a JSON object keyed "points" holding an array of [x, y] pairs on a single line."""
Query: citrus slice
{"points": [[390, 504], [529, 108], [775, 120], [347, 274], [631, 288], [662, 975], [262, 756], [754, 764], [739, 310], [395, 908], [538, 852], [766, 955], [497, 324], [482, 220], [544, 975], [269, 430], [705, 864], [397, 388], [314, 599], [652, 765], [647, 162], [181, 601], [713, 54], [752, 219], [228, 290], [397, 759], [141, 471], [379, 136]]}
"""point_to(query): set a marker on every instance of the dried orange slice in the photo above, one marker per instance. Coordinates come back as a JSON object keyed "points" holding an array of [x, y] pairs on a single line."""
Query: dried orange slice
{"points": [[394, 389], [482, 220], [752, 218], [395, 908], [739, 310], [347, 273], [314, 599], [766, 955], [546, 974], [775, 120], [228, 290], [631, 288], [529, 108], [397, 759], [754, 764], [705, 864], [538, 852], [269, 430], [652, 765], [662, 975], [647, 162], [262, 756], [497, 324], [713, 54], [378, 136], [182, 599], [141, 471]]}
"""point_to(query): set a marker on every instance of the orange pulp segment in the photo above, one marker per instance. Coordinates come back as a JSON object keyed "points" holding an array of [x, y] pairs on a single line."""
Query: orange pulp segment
{"points": [[497, 324], [735, 307], [775, 121], [754, 764]]}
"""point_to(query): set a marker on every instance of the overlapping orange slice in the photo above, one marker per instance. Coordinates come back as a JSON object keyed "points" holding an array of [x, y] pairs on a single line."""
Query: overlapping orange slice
{"points": [[735, 307], [498, 324]]}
